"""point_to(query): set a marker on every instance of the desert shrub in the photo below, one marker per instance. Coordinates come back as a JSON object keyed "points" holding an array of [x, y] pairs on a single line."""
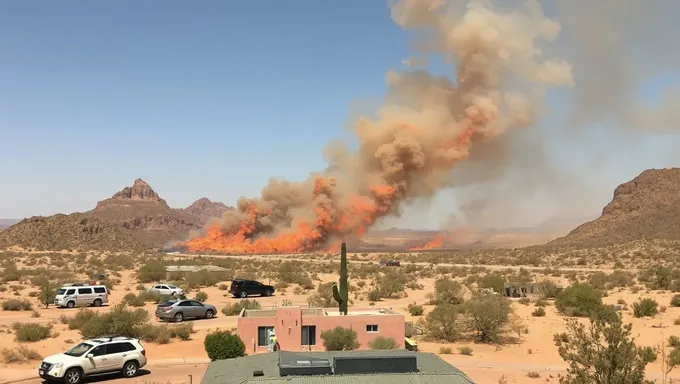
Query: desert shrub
{"points": [[16, 305], [374, 295], [222, 345], [445, 351], [675, 301], [323, 297], [493, 281], [21, 354], [289, 272], [339, 339], [488, 315], [80, 318], [548, 289], [447, 291], [538, 312], [201, 296], [151, 271], [443, 323], [119, 321], [233, 309], [392, 283], [134, 300], [524, 301], [382, 342], [465, 350], [579, 299], [645, 307], [31, 332], [674, 341], [222, 287], [415, 309], [606, 350]]}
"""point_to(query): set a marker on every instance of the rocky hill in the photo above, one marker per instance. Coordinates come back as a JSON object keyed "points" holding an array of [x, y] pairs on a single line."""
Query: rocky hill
{"points": [[134, 218], [205, 209], [647, 207]]}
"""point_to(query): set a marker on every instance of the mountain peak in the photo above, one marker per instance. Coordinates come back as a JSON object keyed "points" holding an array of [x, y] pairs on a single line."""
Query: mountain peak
{"points": [[140, 191]]}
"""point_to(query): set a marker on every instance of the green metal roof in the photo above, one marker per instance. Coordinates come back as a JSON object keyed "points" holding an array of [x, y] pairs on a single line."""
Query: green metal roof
{"points": [[432, 369]]}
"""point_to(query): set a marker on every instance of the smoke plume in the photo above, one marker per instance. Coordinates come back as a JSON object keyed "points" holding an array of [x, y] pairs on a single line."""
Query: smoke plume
{"points": [[426, 127]]}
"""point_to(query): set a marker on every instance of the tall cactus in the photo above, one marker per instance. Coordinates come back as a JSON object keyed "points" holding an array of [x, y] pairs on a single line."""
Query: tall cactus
{"points": [[340, 294]]}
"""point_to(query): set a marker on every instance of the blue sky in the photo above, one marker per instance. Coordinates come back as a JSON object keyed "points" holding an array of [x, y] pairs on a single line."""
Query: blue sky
{"points": [[199, 99]]}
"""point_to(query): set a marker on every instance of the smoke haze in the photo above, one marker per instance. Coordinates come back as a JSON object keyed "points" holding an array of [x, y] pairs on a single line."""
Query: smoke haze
{"points": [[474, 130]]}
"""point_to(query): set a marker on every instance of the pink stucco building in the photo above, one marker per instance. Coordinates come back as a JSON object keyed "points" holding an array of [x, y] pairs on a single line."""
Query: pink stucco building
{"points": [[299, 329]]}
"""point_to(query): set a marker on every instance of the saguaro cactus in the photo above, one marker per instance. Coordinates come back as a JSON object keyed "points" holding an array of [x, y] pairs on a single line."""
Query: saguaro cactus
{"points": [[340, 294]]}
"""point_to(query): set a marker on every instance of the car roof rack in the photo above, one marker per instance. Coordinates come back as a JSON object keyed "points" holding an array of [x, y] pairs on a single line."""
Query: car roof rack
{"points": [[110, 337]]}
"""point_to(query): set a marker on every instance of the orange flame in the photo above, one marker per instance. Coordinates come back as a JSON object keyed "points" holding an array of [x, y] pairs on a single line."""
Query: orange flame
{"points": [[434, 243]]}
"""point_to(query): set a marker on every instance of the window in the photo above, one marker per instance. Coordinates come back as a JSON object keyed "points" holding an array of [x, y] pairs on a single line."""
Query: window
{"points": [[71, 292], [372, 328], [98, 351], [308, 335], [263, 336], [195, 303], [84, 291], [163, 287], [185, 304], [119, 348], [99, 290]]}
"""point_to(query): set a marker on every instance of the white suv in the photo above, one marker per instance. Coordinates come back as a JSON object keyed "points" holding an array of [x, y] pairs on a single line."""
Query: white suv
{"points": [[93, 357], [167, 289]]}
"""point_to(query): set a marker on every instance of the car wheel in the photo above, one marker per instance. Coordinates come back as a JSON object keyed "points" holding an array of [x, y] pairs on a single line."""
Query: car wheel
{"points": [[173, 294], [268, 293], [243, 294], [97, 303], [130, 369], [179, 317], [71, 304], [73, 376], [209, 314]]}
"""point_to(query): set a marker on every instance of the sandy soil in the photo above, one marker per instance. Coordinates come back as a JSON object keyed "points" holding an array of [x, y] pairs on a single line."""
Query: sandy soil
{"points": [[487, 364]]}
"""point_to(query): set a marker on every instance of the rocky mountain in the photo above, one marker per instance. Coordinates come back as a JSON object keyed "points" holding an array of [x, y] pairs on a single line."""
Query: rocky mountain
{"points": [[134, 218], [204, 209], [647, 207]]}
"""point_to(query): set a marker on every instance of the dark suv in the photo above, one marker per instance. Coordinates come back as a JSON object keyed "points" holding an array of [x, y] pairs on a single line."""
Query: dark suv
{"points": [[245, 288]]}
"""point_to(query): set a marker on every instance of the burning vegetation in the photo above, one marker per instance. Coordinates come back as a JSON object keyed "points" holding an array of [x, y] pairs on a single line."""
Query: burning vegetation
{"points": [[425, 127]]}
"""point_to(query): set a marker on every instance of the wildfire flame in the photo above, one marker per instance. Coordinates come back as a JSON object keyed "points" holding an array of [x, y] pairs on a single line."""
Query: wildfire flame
{"points": [[435, 243], [426, 126]]}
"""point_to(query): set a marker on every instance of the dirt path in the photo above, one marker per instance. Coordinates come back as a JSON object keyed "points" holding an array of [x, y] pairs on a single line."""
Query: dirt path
{"points": [[176, 374]]}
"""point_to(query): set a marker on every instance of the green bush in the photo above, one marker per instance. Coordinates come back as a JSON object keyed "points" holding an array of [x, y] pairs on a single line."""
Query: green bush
{"points": [[488, 316], [222, 345], [119, 321], [80, 318], [150, 272], [443, 323], [579, 300], [675, 301], [467, 351], [447, 291], [31, 332], [382, 342], [538, 312], [415, 309], [645, 307], [201, 296], [493, 281], [16, 305], [233, 309], [339, 339]]}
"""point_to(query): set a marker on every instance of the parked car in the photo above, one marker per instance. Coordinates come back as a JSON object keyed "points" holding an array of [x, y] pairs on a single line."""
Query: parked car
{"points": [[244, 288], [178, 310], [390, 263], [167, 289], [81, 295], [95, 356]]}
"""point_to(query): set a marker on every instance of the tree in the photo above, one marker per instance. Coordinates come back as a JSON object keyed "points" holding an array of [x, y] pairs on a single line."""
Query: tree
{"points": [[447, 291], [603, 354], [493, 281], [579, 299], [392, 283], [340, 339], [220, 345], [47, 293], [488, 316], [442, 323]]}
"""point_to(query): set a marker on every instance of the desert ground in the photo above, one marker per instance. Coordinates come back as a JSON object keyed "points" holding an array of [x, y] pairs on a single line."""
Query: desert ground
{"points": [[525, 354]]}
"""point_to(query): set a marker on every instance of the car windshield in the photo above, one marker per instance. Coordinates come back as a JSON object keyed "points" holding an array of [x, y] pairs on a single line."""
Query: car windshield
{"points": [[78, 350], [61, 291]]}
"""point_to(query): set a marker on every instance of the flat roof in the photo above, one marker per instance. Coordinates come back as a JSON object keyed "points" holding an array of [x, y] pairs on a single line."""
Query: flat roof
{"points": [[316, 311], [432, 369]]}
